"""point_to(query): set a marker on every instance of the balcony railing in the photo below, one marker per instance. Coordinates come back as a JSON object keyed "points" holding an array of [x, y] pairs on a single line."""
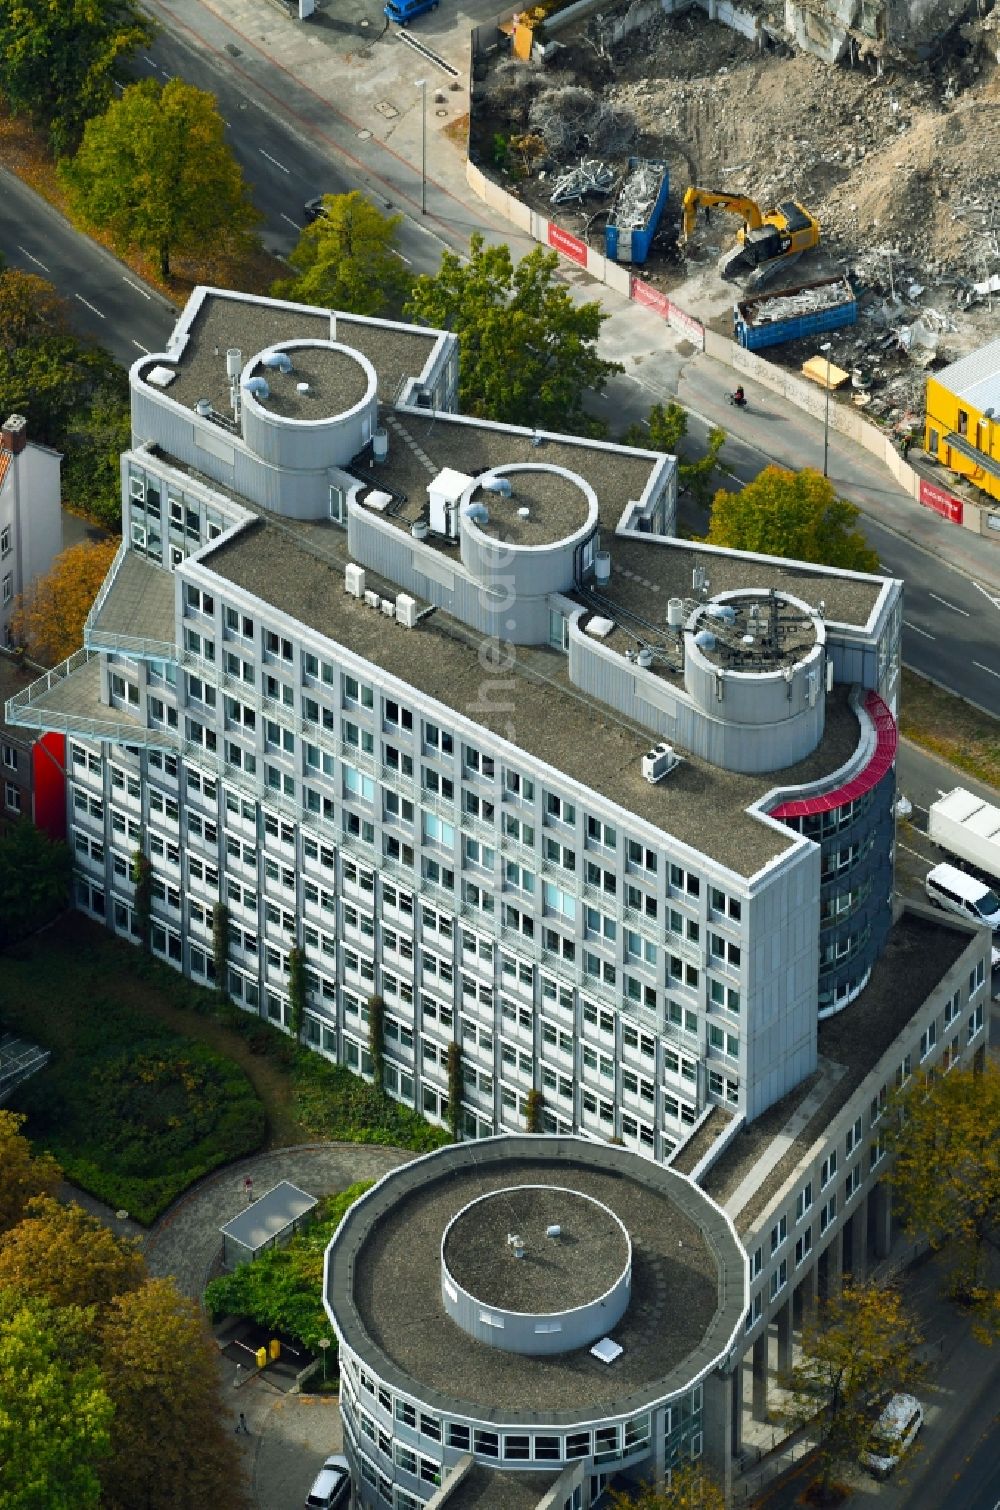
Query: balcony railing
{"points": [[50, 703]]}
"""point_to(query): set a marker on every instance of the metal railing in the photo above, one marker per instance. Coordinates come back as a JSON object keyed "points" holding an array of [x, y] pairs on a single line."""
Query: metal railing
{"points": [[105, 588]]}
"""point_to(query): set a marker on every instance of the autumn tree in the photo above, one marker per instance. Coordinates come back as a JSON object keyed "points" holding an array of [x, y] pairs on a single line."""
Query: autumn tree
{"points": [[63, 1255], [58, 61], [55, 1412], [691, 1487], [48, 618], [794, 514], [347, 259], [23, 1174], [860, 1343], [156, 171], [666, 430], [946, 1176], [527, 352], [35, 874], [171, 1446]]}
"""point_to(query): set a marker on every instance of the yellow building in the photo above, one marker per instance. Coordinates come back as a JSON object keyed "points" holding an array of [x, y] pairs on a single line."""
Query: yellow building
{"points": [[963, 418]]}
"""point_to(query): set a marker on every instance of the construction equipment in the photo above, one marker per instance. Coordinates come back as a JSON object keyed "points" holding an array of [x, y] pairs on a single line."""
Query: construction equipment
{"points": [[766, 243]]}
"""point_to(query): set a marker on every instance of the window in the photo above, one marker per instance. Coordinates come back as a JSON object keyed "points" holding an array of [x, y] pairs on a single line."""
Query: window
{"points": [[803, 1200], [975, 1023], [828, 1170], [779, 1278], [12, 797], [275, 645], [827, 1214], [5, 540], [10, 757], [803, 1245], [601, 833], [558, 810], [8, 586], [977, 977], [521, 787], [928, 1040], [778, 1233]]}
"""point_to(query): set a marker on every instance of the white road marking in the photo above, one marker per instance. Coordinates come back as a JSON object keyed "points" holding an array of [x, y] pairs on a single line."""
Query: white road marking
{"points": [[927, 859], [93, 308], [293, 223], [953, 606], [144, 349], [138, 288], [273, 160], [31, 256], [149, 60], [402, 258], [917, 630], [993, 600], [987, 668]]}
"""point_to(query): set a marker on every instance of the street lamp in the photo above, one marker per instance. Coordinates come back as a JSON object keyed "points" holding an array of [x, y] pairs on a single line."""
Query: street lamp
{"points": [[826, 418], [422, 86], [324, 1343]]}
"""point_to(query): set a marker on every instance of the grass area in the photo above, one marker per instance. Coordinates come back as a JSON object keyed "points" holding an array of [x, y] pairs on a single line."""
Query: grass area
{"points": [[283, 1288], [951, 728], [25, 151], [76, 979]]}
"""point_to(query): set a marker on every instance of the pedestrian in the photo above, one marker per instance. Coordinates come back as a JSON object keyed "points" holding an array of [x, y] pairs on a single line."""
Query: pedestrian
{"points": [[241, 1426]]}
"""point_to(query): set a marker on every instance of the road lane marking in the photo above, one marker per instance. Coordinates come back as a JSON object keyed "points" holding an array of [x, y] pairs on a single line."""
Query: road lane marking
{"points": [[401, 257], [36, 260], [987, 668], [137, 287], [142, 348], [917, 630], [149, 60], [993, 600], [293, 223], [953, 606], [273, 160], [927, 859], [92, 307]]}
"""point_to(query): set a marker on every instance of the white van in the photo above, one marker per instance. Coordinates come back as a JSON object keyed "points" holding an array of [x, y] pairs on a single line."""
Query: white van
{"points": [[973, 900], [894, 1432]]}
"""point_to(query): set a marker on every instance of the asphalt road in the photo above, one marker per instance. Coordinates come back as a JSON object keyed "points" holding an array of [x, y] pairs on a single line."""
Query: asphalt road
{"points": [[968, 1476]]}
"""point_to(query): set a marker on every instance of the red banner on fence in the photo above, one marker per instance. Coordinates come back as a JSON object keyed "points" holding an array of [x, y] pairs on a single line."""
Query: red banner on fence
{"points": [[570, 246], [941, 502], [652, 298]]}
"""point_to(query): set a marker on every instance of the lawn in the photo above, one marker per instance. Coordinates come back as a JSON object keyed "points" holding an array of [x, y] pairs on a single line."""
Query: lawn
{"points": [[951, 728], [147, 1066]]}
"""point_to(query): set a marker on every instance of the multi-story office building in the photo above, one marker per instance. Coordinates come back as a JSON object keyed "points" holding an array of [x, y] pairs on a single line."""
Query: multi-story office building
{"points": [[445, 704], [30, 518]]}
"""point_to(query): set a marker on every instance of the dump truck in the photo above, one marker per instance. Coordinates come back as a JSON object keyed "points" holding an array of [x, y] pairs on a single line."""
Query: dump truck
{"points": [[787, 314], [967, 827], [636, 213], [768, 241]]}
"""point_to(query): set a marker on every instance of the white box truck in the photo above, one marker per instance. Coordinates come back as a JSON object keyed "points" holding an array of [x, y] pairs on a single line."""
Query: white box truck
{"points": [[968, 827]]}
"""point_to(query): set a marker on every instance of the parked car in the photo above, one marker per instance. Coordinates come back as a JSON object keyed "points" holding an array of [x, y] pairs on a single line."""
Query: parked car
{"points": [[313, 208], [403, 11], [332, 1485], [893, 1434]]}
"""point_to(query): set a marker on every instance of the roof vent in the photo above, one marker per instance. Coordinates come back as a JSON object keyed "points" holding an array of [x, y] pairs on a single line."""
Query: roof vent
{"points": [[354, 579], [420, 529], [500, 485], [380, 445], [554, 1231], [516, 1242], [705, 639], [524, 512], [602, 567], [645, 657], [478, 513], [657, 762], [234, 362], [258, 387], [301, 387], [599, 627], [160, 376], [278, 361], [538, 438], [675, 612], [606, 1350], [203, 407]]}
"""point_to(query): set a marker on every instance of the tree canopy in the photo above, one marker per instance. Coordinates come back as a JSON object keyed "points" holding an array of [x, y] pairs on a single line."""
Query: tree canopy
{"points": [[861, 1344], [59, 58], [665, 431], [55, 1415], [946, 1175], [794, 514], [691, 1487], [65, 1256], [156, 171], [527, 352], [34, 880], [48, 618], [347, 259], [23, 1174]]}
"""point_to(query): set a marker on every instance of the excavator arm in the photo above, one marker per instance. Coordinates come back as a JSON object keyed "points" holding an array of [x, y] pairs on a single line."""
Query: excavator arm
{"points": [[735, 204]]}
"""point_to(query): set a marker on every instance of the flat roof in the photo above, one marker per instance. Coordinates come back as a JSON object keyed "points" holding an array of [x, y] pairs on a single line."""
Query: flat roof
{"points": [[251, 326], [384, 1284], [975, 378], [919, 952], [544, 506], [299, 570], [335, 383], [269, 1215], [484, 1488]]}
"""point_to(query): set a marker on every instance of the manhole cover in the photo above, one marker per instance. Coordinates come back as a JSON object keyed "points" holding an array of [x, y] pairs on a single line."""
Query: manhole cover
{"points": [[364, 135], [385, 109], [234, 52]]}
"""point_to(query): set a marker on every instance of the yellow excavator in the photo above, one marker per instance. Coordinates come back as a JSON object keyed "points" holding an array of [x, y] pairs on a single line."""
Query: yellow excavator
{"points": [[766, 243]]}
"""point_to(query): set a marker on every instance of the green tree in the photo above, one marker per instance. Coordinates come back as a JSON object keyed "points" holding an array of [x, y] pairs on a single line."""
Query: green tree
{"points": [[65, 1256], [946, 1176], [534, 1109], [23, 1174], [59, 59], [791, 514], [665, 431], [220, 946], [456, 1083], [171, 1446], [92, 440], [156, 171], [347, 259], [527, 353], [861, 1343], [376, 1037], [691, 1488], [142, 880], [296, 990], [55, 1413], [35, 876]]}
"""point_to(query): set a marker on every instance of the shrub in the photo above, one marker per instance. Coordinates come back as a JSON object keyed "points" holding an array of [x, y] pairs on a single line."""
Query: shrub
{"points": [[331, 1102]]}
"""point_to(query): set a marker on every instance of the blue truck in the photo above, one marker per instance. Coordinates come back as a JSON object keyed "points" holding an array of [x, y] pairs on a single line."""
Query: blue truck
{"points": [[636, 212], [788, 314]]}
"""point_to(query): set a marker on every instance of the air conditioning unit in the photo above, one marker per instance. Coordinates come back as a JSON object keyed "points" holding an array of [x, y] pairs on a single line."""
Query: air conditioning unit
{"points": [[657, 762], [372, 598], [388, 607], [354, 580], [406, 611]]}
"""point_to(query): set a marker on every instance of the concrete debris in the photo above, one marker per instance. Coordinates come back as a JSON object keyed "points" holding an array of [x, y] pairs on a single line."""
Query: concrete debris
{"points": [[590, 176], [805, 301], [637, 197], [920, 340]]}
